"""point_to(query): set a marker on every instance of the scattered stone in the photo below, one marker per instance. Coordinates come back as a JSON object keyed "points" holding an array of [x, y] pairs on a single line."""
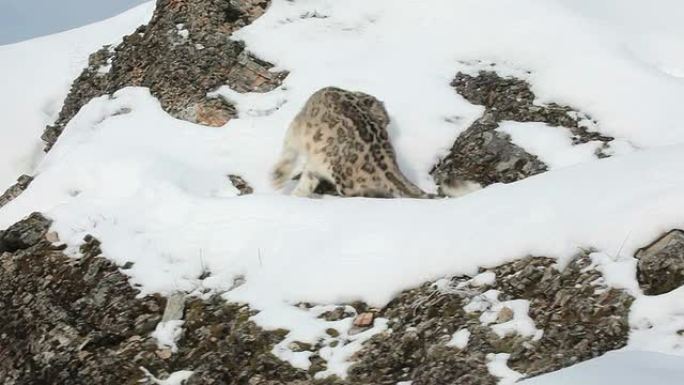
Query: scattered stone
{"points": [[505, 315], [52, 237], [243, 187], [364, 320], [15, 190], [339, 313], [482, 155], [297, 346], [661, 264]]}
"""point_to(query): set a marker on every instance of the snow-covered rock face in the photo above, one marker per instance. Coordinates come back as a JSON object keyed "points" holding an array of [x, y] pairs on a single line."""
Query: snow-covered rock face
{"points": [[181, 55], [162, 193]]}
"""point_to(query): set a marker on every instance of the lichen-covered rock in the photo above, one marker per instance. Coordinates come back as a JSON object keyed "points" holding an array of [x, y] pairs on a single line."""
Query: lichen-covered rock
{"points": [[661, 264], [484, 155], [13, 191], [70, 321], [75, 321], [579, 319], [79, 321], [181, 55]]}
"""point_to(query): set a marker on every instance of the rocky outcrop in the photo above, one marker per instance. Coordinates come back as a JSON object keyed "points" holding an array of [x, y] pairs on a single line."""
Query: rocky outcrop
{"points": [[184, 53], [78, 320], [13, 191], [484, 155], [576, 320], [661, 264]]}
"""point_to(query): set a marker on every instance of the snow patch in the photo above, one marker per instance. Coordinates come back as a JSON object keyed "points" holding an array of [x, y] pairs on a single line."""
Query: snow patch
{"points": [[168, 333], [459, 339], [492, 309], [175, 378], [498, 367], [553, 145]]}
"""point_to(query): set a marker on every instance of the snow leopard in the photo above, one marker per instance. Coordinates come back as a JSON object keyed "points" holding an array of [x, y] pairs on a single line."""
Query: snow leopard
{"points": [[340, 137]]}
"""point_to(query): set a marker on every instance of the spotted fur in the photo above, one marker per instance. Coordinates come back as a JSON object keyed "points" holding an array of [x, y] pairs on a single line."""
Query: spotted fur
{"points": [[341, 136]]}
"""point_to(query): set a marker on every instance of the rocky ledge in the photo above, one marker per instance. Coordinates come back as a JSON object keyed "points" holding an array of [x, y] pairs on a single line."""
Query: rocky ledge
{"points": [[78, 320]]}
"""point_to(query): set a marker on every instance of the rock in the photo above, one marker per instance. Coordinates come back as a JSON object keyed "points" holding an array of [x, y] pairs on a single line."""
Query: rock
{"points": [[661, 264], [74, 321], [505, 315], [243, 187], [79, 321], [183, 53], [577, 324], [25, 233], [364, 320], [482, 155], [52, 237], [22, 184], [175, 305]]}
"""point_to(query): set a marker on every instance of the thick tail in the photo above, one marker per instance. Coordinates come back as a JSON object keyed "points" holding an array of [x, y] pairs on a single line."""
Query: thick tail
{"points": [[403, 187], [284, 169]]}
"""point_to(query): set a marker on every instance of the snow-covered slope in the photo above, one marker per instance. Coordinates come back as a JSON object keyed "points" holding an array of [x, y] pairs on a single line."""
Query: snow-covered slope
{"points": [[624, 368], [36, 76], [154, 190]]}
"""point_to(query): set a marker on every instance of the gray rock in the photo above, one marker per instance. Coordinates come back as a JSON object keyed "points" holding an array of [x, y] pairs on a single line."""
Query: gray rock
{"points": [[661, 264], [22, 184], [239, 183], [25, 233], [483, 155]]}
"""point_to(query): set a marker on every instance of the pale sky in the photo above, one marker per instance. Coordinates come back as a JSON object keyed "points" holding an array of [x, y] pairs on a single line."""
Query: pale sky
{"points": [[25, 19]]}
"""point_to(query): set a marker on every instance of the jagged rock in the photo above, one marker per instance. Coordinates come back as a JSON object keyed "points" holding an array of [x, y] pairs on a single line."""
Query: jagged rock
{"points": [[25, 233], [78, 321], [482, 154], [239, 183], [70, 321], [579, 319], [181, 55], [661, 264], [22, 184]]}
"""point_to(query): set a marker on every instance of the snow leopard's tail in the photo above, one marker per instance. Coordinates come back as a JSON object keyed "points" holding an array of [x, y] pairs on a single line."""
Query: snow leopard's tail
{"points": [[284, 169]]}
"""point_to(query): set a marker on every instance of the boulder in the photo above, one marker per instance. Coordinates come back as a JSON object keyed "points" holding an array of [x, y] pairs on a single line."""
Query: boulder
{"points": [[661, 264]]}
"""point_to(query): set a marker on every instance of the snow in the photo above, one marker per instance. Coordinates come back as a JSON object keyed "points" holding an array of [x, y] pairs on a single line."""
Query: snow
{"points": [[167, 333], [657, 323], [498, 367], [154, 189], [624, 368], [175, 378], [483, 279], [36, 76], [459, 339], [552, 145], [489, 305]]}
